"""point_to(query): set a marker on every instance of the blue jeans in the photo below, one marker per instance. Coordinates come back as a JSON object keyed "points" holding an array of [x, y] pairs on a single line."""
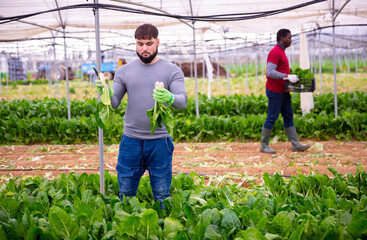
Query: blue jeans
{"points": [[279, 103], [136, 156]]}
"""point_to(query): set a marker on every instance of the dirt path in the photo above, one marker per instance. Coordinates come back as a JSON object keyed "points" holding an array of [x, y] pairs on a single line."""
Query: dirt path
{"points": [[233, 160]]}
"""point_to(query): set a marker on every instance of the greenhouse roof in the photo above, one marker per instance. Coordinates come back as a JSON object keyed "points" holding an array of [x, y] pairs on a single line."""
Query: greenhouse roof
{"points": [[247, 20]]}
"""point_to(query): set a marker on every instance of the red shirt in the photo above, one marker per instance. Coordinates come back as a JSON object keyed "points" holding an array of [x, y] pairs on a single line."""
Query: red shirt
{"points": [[278, 57]]}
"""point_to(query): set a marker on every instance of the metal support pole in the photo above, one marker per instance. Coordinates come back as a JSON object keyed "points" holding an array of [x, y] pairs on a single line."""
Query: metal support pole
{"points": [[227, 67], [55, 71], [356, 56], [100, 131], [257, 68], [247, 63], [261, 63], [320, 65], [334, 67], [45, 62], [218, 70], [66, 75], [195, 65]]}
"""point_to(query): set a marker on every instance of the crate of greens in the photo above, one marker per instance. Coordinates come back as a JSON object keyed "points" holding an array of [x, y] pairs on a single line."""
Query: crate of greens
{"points": [[306, 81]]}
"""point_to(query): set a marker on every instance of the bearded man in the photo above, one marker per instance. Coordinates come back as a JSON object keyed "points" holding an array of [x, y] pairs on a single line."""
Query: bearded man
{"points": [[139, 150]]}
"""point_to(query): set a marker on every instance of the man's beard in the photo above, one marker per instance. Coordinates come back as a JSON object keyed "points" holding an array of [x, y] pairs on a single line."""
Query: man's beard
{"points": [[149, 59]]}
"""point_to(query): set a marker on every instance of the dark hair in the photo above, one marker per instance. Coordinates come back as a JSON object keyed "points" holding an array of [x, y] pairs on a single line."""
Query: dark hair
{"points": [[146, 31], [282, 33]]}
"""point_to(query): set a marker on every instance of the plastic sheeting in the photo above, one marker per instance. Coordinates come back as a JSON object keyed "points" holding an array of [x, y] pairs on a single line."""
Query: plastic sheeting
{"points": [[116, 21]]}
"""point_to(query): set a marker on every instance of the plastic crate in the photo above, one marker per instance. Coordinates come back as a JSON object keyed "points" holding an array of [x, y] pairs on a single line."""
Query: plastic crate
{"points": [[303, 85]]}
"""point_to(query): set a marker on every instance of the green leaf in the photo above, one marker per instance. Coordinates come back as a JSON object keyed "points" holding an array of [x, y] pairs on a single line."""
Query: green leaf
{"points": [[281, 224], [199, 230], [95, 70], [99, 229], [99, 121], [230, 220], [87, 197], [157, 115], [171, 227], [181, 236], [211, 233], [85, 208], [270, 236], [42, 198], [149, 222], [35, 232], [83, 215], [252, 217], [297, 234], [250, 234], [134, 203], [107, 116], [329, 197], [120, 214], [353, 190], [211, 216], [328, 222], [190, 213], [10, 206], [62, 224], [358, 226], [105, 98], [7, 231], [130, 225], [82, 233]]}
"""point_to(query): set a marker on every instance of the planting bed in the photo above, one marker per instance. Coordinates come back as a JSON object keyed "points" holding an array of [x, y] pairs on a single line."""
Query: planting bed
{"points": [[236, 160]]}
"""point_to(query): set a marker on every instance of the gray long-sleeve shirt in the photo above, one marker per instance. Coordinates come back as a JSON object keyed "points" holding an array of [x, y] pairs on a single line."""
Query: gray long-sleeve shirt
{"points": [[271, 68], [138, 81]]}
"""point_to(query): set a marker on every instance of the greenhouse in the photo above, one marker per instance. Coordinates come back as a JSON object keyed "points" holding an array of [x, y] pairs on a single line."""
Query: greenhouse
{"points": [[70, 87]]}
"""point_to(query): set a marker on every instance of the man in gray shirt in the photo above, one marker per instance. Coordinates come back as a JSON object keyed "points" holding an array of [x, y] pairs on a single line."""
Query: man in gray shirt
{"points": [[139, 150]]}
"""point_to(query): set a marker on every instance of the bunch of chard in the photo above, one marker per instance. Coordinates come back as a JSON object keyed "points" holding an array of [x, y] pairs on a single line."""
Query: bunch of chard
{"points": [[160, 114], [104, 114]]}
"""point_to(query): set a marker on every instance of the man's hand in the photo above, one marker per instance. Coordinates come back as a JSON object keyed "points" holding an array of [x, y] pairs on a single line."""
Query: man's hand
{"points": [[292, 78], [162, 95], [99, 86]]}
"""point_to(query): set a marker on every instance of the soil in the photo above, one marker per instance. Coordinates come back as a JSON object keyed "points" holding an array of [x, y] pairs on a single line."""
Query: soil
{"points": [[236, 161]]}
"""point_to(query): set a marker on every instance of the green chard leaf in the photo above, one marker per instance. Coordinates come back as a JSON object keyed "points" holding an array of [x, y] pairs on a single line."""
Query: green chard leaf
{"points": [[62, 223], [105, 115], [161, 114]]}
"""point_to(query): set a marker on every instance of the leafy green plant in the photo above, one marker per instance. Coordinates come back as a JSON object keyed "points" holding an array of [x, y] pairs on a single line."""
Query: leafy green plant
{"points": [[71, 207], [104, 114], [303, 74], [160, 114], [236, 117]]}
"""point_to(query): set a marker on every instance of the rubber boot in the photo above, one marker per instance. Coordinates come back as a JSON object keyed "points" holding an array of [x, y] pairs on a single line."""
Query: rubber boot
{"points": [[265, 136], [293, 138]]}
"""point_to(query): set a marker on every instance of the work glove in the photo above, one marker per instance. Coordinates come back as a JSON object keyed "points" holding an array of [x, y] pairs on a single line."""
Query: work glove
{"points": [[162, 95], [292, 78], [99, 86]]}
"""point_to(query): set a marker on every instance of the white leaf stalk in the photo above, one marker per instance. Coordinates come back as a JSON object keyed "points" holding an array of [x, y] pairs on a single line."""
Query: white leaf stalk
{"points": [[105, 97], [157, 85]]}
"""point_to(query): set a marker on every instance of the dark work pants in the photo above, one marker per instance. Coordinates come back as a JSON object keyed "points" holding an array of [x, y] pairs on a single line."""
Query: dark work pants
{"points": [[279, 103]]}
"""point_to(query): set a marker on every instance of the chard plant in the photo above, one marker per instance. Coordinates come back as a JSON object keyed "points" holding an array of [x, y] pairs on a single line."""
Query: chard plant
{"points": [[300, 207], [105, 114], [160, 114]]}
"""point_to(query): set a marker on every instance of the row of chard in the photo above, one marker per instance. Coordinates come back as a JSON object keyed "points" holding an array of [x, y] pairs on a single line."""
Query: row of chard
{"points": [[228, 118]]}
